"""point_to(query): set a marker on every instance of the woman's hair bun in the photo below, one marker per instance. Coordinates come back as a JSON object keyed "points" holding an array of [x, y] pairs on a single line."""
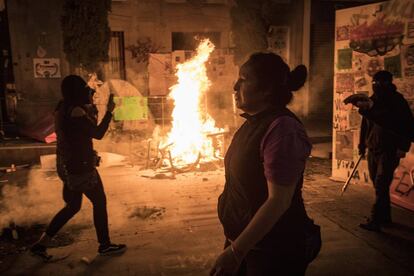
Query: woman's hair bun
{"points": [[297, 77]]}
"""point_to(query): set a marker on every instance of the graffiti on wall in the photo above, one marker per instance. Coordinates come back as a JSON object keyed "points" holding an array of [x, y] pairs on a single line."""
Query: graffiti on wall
{"points": [[341, 111], [346, 167], [398, 9], [376, 38]]}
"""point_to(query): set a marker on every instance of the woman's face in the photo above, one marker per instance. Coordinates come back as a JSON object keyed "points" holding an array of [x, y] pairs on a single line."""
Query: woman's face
{"points": [[247, 95]]}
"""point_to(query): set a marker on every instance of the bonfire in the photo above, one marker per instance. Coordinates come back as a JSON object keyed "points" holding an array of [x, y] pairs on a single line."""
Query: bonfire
{"points": [[193, 138]]}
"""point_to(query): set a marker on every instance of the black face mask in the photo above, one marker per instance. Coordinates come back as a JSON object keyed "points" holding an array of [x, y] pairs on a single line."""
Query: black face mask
{"points": [[90, 92], [381, 88]]}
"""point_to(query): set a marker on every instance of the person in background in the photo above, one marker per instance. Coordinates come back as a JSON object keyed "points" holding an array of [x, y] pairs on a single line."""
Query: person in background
{"points": [[76, 126], [261, 208], [386, 131]]}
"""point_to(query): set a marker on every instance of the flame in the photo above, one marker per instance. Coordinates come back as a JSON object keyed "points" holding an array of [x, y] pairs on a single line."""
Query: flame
{"points": [[188, 139]]}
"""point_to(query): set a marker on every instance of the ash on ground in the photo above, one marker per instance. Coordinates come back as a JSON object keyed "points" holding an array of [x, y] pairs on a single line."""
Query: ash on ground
{"points": [[146, 212]]}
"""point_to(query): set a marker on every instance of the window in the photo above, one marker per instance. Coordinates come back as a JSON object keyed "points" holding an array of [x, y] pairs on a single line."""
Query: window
{"points": [[116, 64], [186, 41]]}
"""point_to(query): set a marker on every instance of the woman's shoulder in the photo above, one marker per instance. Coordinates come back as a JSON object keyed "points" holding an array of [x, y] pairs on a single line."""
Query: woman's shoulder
{"points": [[286, 124]]}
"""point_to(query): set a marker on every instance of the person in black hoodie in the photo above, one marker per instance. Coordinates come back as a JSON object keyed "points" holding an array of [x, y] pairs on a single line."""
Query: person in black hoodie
{"points": [[386, 131], [261, 208], [76, 161]]}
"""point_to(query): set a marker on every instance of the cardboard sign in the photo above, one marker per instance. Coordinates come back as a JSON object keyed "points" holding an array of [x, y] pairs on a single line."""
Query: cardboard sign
{"points": [[131, 108]]}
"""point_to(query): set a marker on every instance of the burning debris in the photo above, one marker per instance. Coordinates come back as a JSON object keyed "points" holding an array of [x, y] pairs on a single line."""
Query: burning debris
{"points": [[193, 139]]}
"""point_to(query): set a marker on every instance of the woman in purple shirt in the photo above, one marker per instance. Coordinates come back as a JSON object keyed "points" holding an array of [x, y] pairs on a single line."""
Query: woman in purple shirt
{"points": [[261, 208]]}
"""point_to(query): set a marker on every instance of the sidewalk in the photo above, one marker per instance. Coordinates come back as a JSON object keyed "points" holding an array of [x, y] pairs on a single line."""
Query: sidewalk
{"points": [[348, 249], [171, 227]]}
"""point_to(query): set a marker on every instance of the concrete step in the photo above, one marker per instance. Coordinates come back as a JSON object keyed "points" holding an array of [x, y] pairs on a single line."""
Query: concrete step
{"points": [[19, 153]]}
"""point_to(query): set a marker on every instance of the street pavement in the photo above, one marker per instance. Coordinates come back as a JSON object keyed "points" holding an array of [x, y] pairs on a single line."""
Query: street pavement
{"points": [[171, 226]]}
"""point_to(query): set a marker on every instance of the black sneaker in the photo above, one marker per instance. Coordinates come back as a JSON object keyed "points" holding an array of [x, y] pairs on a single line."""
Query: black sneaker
{"points": [[111, 249], [41, 252], [371, 226]]}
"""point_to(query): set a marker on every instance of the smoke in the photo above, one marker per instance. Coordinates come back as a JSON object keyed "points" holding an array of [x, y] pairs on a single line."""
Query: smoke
{"points": [[34, 202], [41, 198], [319, 98]]}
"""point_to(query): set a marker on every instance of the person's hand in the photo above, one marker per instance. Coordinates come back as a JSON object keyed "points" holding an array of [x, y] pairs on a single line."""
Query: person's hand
{"points": [[400, 153], [365, 104], [226, 264], [354, 98], [110, 106], [360, 100], [361, 151]]}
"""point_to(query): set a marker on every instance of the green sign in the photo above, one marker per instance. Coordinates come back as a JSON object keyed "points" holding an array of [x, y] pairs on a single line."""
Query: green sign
{"points": [[131, 108], [393, 65], [344, 59]]}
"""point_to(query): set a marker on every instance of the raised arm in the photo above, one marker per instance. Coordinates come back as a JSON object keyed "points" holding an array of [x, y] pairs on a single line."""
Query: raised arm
{"points": [[89, 126]]}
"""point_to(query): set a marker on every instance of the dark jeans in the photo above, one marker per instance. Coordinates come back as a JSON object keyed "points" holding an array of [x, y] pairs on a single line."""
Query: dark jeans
{"points": [[73, 200], [381, 166], [289, 262]]}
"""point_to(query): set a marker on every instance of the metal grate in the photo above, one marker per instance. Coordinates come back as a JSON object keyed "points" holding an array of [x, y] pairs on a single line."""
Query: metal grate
{"points": [[161, 108]]}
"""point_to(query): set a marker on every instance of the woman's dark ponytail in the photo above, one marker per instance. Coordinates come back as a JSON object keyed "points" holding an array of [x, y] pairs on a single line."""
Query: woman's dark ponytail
{"points": [[297, 78], [275, 77]]}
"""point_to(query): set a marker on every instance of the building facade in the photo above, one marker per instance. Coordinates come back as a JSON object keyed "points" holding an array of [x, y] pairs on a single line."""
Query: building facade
{"points": [[301, 31], [164, 26]]}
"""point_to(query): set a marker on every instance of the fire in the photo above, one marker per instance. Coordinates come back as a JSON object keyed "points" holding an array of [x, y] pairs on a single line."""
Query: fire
{"points": [[188, 140]]}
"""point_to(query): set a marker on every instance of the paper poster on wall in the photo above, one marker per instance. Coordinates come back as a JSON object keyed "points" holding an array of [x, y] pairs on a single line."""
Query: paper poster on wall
{"points": [[358, 61], [344, 82], [393, 65], [374, 65], [131, 108], [405, 88], [360, 81], [342, 33], [354, 119], [344, 145], [408, 60], [410, 29], [344, 59], [46, 68]]}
